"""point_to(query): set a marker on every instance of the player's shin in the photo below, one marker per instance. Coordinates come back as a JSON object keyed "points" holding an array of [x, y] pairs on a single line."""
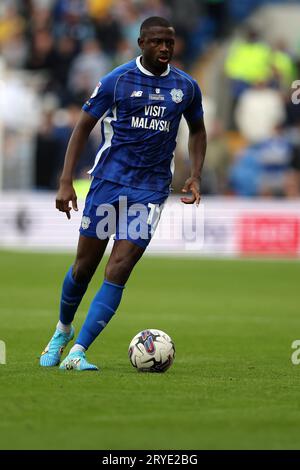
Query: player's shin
{"points": [[102, 309], [71, 296]]}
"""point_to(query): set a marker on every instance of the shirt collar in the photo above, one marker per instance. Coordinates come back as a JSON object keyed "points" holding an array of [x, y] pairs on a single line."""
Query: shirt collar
{"points": [[146, 72]]}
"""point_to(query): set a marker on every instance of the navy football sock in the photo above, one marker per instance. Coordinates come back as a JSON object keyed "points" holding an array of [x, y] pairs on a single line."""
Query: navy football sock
{"points": [[102, 308], [72, 293]]}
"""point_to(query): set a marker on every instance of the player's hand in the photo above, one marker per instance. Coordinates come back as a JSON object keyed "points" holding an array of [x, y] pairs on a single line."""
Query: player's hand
{"points": [[65, 195], [192, 185]]}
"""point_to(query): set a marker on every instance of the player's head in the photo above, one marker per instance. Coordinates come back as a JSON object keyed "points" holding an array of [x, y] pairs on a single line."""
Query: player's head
{"points": [[157, 39]]}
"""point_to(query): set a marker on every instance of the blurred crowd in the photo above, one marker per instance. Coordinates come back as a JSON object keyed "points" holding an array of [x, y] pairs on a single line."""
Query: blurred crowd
{"points": [[255, 150], [65, 46], [262, 111], [53, 53]]}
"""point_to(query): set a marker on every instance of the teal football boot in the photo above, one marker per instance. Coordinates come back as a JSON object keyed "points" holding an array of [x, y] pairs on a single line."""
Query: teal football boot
{"points": [[77, 361], [52, 353]]}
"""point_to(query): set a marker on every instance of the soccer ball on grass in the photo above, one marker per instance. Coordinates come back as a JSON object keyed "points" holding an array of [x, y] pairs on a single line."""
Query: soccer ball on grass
{"points": [[151, 351]]}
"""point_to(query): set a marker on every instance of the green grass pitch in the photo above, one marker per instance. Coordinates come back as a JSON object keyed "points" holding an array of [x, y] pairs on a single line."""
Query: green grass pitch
{"points": [[232, 385]]}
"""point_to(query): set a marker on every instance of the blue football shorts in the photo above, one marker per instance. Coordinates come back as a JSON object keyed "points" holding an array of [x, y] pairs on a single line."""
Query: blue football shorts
{"points": [[129, 213]]}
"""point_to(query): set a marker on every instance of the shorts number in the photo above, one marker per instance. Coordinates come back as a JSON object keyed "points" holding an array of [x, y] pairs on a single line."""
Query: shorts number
{"points": [[154, 215]]}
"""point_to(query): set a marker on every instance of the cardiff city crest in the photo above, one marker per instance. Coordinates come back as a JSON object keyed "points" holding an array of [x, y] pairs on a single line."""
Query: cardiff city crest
{"points": [[177, 95], [85, 222]]}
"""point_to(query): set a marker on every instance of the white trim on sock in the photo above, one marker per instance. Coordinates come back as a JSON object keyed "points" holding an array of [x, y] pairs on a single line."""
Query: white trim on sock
{"points": [[77, 347], [64, 328]]}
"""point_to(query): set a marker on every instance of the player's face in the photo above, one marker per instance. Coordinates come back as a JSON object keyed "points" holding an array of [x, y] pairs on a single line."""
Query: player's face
{"points": [[157, 46]]}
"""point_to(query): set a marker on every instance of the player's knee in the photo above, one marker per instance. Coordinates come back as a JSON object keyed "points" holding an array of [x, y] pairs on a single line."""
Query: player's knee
{"points": [[118, 270]]}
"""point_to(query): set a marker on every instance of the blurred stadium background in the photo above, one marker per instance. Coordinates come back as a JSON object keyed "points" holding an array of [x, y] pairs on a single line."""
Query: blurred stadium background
{"points": [[245, 56], [233, 322]]}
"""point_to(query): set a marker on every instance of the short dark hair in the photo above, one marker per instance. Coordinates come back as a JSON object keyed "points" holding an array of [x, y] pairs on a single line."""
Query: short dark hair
{"points": [[154, 21]]}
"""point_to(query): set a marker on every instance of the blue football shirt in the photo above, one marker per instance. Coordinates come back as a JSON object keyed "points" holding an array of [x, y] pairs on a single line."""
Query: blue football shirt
{"points": [[140, 115]]}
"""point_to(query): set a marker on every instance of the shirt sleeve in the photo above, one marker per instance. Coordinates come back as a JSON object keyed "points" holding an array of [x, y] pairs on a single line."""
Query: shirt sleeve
{"points": [[102, 97], [194, 111]]}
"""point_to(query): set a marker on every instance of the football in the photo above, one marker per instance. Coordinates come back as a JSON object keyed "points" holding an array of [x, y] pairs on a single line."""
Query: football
{"points": [[151, 351]]}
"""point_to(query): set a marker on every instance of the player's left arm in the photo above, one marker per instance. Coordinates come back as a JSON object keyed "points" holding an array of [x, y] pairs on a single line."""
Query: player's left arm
{"points": [[197, 150], [197, 145]]}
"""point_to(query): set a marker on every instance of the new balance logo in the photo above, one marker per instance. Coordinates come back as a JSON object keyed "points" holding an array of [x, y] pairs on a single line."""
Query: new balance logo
{"points": [[136, 94]]}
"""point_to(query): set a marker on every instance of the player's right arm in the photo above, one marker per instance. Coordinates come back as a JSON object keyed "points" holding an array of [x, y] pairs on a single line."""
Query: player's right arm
{"points": [[100, 101], [79, 137]]}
